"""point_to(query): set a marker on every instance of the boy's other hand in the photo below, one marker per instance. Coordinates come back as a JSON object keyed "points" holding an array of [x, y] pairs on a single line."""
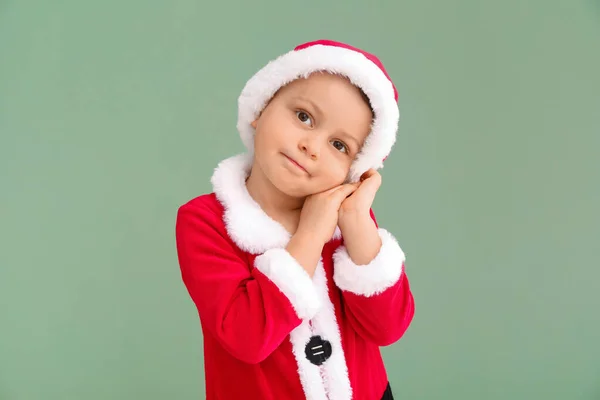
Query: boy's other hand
{"points": [[361, 200]]}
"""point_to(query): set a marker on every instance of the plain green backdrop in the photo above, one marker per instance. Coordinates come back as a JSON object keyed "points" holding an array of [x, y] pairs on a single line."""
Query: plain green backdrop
{"points": [[114, 113]]}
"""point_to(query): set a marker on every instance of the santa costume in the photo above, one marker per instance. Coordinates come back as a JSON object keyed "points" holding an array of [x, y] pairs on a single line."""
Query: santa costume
{"points": [[271, 332]]}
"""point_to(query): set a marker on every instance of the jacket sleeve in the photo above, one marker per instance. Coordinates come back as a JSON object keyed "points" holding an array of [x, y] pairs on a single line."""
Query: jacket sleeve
{"points": [[377, 296], [250, 311]]}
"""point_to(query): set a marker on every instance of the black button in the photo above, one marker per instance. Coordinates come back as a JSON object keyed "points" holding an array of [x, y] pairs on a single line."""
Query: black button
{"points": [[317, 350]]}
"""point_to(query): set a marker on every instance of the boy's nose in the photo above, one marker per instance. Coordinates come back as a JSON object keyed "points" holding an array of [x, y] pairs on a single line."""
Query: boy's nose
{"points": [[311, 147]]}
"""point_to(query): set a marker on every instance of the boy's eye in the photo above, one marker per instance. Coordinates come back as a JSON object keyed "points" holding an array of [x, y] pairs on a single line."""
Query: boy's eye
{"points": [[340, 146], [304, 117]]}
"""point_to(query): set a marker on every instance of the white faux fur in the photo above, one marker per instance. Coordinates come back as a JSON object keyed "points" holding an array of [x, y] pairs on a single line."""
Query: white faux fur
{"points": [[335, 370], [371, 279], [247, 224], [310, 374], [330, 380], [291, 279], [361, 71]]}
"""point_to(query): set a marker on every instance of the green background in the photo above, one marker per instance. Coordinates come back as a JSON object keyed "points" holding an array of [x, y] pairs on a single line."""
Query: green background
{"points": [[114, 113]]}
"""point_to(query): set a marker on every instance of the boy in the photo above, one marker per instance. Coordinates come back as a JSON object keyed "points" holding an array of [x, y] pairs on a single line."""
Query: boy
{"points": [[295, 284]]}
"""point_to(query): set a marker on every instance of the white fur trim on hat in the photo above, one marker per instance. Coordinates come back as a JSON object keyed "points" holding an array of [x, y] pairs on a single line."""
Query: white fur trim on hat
{"points": [[352, 64]]}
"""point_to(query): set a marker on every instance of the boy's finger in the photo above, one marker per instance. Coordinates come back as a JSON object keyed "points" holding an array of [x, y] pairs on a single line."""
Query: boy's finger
{"points": [[345, 190], [372, 180], [366, 174], [341, 187]]}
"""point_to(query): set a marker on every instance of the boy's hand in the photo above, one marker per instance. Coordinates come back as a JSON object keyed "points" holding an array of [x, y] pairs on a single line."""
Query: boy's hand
{"points": [[318, 220], [359, 231], [361, 200], [319, 216]]}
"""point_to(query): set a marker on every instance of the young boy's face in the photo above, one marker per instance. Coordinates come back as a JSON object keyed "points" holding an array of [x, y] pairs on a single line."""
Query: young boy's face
{"points": [[309, 134]]}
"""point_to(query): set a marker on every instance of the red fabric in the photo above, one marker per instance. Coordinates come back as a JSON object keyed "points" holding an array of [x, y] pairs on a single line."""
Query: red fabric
{"points": [[246, 320], [394, 311], [372, 57]]}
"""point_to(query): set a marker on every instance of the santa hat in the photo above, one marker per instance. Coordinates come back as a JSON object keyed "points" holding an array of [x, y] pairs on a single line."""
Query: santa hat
{"points": [[362, 69]]}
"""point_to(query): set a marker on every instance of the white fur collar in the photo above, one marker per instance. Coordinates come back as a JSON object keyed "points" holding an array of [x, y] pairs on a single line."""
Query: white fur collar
{"points": [[251, 229]]}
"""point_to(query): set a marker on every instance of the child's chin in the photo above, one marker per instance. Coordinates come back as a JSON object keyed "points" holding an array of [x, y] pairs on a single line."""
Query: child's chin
{"points": [[294, 190]]}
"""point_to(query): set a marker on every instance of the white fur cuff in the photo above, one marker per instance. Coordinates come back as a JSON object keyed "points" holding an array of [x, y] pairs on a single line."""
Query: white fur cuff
{"points": [[380, 274], [294, 282]]}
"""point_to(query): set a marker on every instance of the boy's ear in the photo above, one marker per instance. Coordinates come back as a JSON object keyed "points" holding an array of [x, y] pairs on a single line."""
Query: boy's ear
{"points": [[254, 123]]}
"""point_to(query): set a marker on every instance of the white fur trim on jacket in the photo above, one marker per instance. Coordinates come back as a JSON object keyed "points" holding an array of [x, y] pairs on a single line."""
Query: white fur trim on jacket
{"points": [[330, 380], [361, 71], [293, 281], [371, 279], [247, 224]]}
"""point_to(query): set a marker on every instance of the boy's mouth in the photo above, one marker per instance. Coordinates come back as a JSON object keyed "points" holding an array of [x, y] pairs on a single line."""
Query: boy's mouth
{"points": [[296, 163]]}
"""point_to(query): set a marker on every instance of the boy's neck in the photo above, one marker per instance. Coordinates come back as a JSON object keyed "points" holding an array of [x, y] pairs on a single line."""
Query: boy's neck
{"points": [[276, 204]]}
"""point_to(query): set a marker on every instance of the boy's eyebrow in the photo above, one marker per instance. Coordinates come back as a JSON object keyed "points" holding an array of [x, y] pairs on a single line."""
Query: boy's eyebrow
{"points": [[312, 103]]}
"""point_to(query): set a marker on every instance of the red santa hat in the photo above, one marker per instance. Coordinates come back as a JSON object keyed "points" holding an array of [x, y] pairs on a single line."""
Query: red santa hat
{"points": [[362, 69]]}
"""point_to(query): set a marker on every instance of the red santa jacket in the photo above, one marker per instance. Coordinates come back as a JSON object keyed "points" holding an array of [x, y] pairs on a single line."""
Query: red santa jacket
{"points": [[270, 331]]}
